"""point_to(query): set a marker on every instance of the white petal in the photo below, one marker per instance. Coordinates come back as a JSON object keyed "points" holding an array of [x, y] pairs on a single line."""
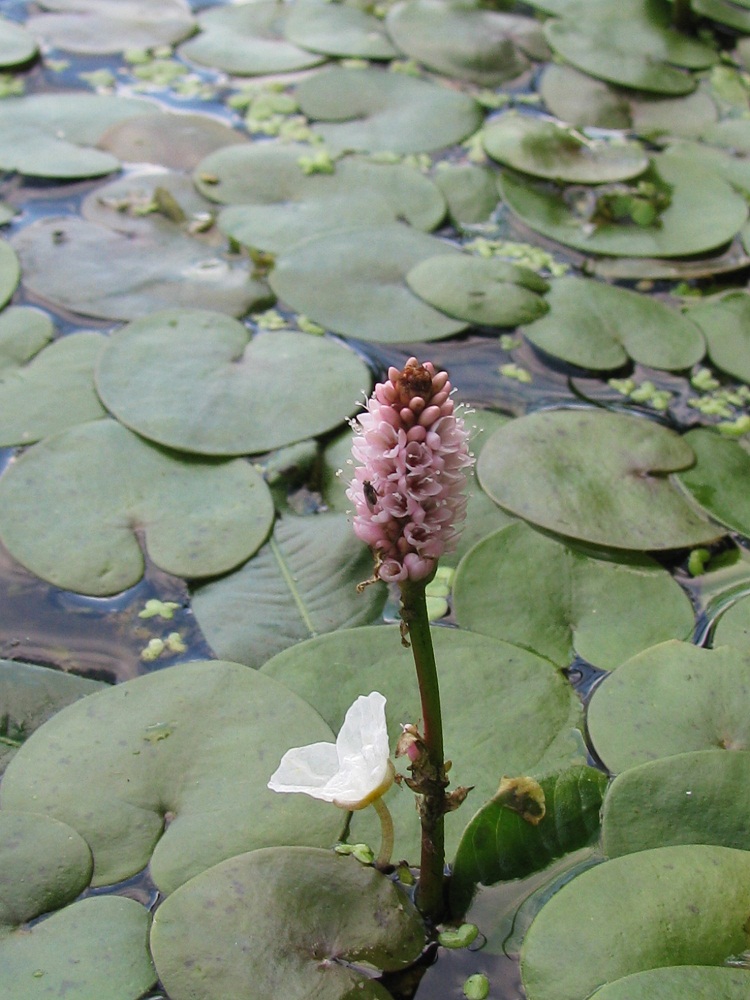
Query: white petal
{"points": [[364, 769], [307, 769]]}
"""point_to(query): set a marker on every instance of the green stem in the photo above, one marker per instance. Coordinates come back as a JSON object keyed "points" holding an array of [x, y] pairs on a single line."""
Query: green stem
{"points": [[432, 805], [386, 833], [682, 15]]}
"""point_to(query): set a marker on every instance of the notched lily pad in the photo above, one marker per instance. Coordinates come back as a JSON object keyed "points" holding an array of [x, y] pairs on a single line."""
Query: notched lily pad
{"points": [[179, 142], [74, 508], [725, 323], [17, 44], [338, 29], [93, 27], [719, 477], [292, 921]]}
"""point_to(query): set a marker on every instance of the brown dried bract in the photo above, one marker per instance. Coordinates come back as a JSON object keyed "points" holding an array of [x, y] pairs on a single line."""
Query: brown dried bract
{"points": [[414, 380]]}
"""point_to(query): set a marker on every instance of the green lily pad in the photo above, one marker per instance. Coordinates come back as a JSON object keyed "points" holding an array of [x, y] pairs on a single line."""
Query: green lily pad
{"points": [[31, 694], [89, 26], [52, 391], [559, 601], [24, 331], [154, 369], [596, 476], [699, 982], [480, 290], [548, 149], [196, 745], [247, 40], [724, 322], [730, 133], [717, 480], [733, 627], [724, 12], [73, 508], [726, 164], [179, 142], [17, 44], [510, 712], [705, 213], [691, 798], [52, 135], [470, 191], [601, 327], [669, 700], [370, 299], [155, 266], [376, 111], [338, 30], [293, 922], [668, 906], [302, 583], [582, 101], [463, 40], [10, 272]]}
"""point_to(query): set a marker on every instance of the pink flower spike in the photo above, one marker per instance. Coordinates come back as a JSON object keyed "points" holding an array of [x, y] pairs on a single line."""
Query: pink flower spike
{"points": [[413, 475]]}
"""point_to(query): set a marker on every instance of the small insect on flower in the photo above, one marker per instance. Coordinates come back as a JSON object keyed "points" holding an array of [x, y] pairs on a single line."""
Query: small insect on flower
{"points": [[371, 496]]}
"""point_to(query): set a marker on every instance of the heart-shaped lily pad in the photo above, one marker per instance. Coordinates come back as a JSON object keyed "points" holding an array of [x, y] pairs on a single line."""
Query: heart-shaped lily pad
{"points": [[601, 327], [17, 44], [52, 391], [549, 149], [668, 906], [510, 712], [179, 142], [153, 371], [73, 507], [370, 299], [24, 331], [376, 111], [733, 627], [699, 982], [526, 588], [90, 26], [248, 40], [724, 321], [669, 700], [338, 30], [194, 745], [597, 476], [470, 191], [293, 922], [10, 271], [479, 290], [718, 478], [693, 798]]}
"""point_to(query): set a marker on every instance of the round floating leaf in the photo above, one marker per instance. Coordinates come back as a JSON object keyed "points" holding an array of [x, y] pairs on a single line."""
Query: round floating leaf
{"points": [[17, 44], [699, 982], [691, 798], [526, 588], [73, 507], [600, 327], [463, 40], [480, 290], [195, 744], [733, 628], [51, 135], [511, 711], [367, 109], [338, 30], [669, 906], [24, 331], [248, 40], [731, 133], [179, 142], [260, 392], [704, 213], [500, 844], [10, 272], [90, 26], [724, 12], [554, 151], [688, 116], [470, 191], [719, 477], [154, 205], [302, 583], [52, 391], [370, 299], [293, 922], [597, 476], [724, 322], [582, 101], [30, 695], [95, 271], [669, 700]]}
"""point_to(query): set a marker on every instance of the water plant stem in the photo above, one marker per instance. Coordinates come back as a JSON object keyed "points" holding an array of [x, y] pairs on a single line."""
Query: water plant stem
{"points": [[386, 833], [432, 781]]}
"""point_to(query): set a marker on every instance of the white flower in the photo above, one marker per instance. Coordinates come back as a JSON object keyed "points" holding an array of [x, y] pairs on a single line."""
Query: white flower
{"points": [[354, 772]]}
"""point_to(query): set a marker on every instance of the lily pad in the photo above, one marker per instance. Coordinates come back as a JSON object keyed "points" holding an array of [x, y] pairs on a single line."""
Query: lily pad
{"points": [[292, 922], [10, 272], [596, 476], [699, 982], [248, 40], [549, 149], [511, 711], [370, 299], [73, 508], [669, 700], [668, 906], [691, 798], [153, 370], [377, 111], [302, 583], [195, 744], [179, 142], [480, 290], [17, 44], [601, 327], [52, 391], [733, 627], [724, 322], [582, 101], [156, 267], [470, 191], [338, 30], [724, 12], [24, 331], [559, 601], [463, 40], [718, 478], [93, 26]]}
